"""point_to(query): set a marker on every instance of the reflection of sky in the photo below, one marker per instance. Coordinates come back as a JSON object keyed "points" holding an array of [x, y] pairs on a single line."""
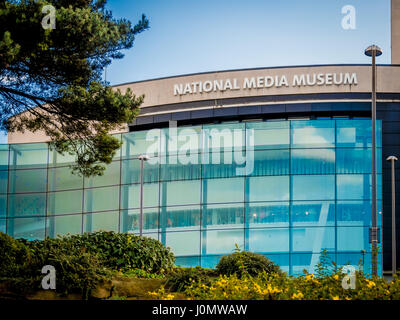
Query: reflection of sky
{"points": [[198, 36], [321, 136], [3, 137]]}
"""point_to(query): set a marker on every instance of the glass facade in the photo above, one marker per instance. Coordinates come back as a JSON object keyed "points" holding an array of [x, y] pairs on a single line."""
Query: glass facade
{"points": [[285, 189]]}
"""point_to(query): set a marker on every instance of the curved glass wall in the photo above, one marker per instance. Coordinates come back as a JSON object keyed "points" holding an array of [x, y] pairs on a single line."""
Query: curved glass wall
{"points": [[286, 189]]}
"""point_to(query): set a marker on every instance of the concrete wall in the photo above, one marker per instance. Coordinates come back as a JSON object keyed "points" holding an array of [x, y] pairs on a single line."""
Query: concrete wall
{"points": [[160, 92]]}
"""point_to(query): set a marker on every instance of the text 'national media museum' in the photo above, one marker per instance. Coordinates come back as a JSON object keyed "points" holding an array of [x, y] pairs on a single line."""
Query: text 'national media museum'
{"points": [[275, 160]]}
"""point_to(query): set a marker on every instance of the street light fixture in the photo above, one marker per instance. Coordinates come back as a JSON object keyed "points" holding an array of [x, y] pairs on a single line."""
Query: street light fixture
{"points": [[392, 159], [142, 158], [374, 51]]}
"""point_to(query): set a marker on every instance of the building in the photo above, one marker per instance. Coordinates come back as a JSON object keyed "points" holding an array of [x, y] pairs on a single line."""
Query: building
{"points": [[275, 160]]}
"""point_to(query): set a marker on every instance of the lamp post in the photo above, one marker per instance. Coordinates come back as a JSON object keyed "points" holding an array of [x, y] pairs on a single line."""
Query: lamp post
{"points": [[142, 159], [374, 51], [392, 159]]}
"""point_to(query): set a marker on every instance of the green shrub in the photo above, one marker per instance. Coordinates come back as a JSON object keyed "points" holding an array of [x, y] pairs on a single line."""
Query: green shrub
{"points": [[123, 251], [246, 262], [181, 277], [14, 255], [77, 270]]}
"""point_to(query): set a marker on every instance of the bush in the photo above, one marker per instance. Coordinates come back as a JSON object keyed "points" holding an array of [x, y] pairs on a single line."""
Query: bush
{"points": [[14, 255], [125, 251], [181, 277], [77, 270], [246, 262], [81, 261]]}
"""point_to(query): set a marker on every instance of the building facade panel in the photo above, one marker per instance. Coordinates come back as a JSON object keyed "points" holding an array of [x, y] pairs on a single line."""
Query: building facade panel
{"points": [[307, 188]]}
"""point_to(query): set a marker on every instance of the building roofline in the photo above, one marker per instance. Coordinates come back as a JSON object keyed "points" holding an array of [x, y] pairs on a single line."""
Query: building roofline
{"points": [[257, 68]]}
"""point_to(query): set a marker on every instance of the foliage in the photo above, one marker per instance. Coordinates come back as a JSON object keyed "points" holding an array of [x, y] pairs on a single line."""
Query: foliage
{"points": [[51, 79], [117, 298], [244, 262], [81, 261], [141, 273], [123, 251], [77, 271], [14, 255], [279, 286], [181, 277]]}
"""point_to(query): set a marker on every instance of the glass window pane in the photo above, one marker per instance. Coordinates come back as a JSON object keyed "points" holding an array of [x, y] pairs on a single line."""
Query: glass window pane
{"points": [[269, 240], [23, 156], [175, 168], [101, 199], [223, 164], [110, 177], [130, 220], [141, 142], [3, 206], [3, 156], [62, 225], [210, 261], [356, 213], [352, 239], [357, 186], [103, 221], [183, 243], [313, 161], [131, 171], [64, 202], [180, 192], [3, 225], [181, 140], [181, 218], [223, 190], [352, 161], [306, 261], [223, 216], [130, 197], [357, 133], [189, 140], [313, 239], [32, 204], [63, 179], [57, 159], [3, 181], [270, 163], [28, 180], [273, 188], [268, 135], [267, 214], [315, 213], [313, 187], [313, 133], [187, 261], [27, 228], [222, 241], [223, 137]]}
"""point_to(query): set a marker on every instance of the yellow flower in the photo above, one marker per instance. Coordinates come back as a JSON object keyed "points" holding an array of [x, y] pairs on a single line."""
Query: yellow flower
{"points": [[370, 284], [297, 296], [335, 298], [336, 277]]}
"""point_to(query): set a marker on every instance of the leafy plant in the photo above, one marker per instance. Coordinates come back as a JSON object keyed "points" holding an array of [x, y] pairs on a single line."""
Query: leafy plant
{"points": [[244, 262], [181, 277], [123, 251]]}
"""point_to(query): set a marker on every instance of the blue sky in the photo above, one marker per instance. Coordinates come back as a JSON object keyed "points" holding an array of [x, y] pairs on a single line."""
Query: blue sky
{"points": [[188, 36]]}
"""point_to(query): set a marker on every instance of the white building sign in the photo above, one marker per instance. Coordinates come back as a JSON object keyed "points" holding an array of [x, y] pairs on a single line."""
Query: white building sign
{"points": [[298, 80]]}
